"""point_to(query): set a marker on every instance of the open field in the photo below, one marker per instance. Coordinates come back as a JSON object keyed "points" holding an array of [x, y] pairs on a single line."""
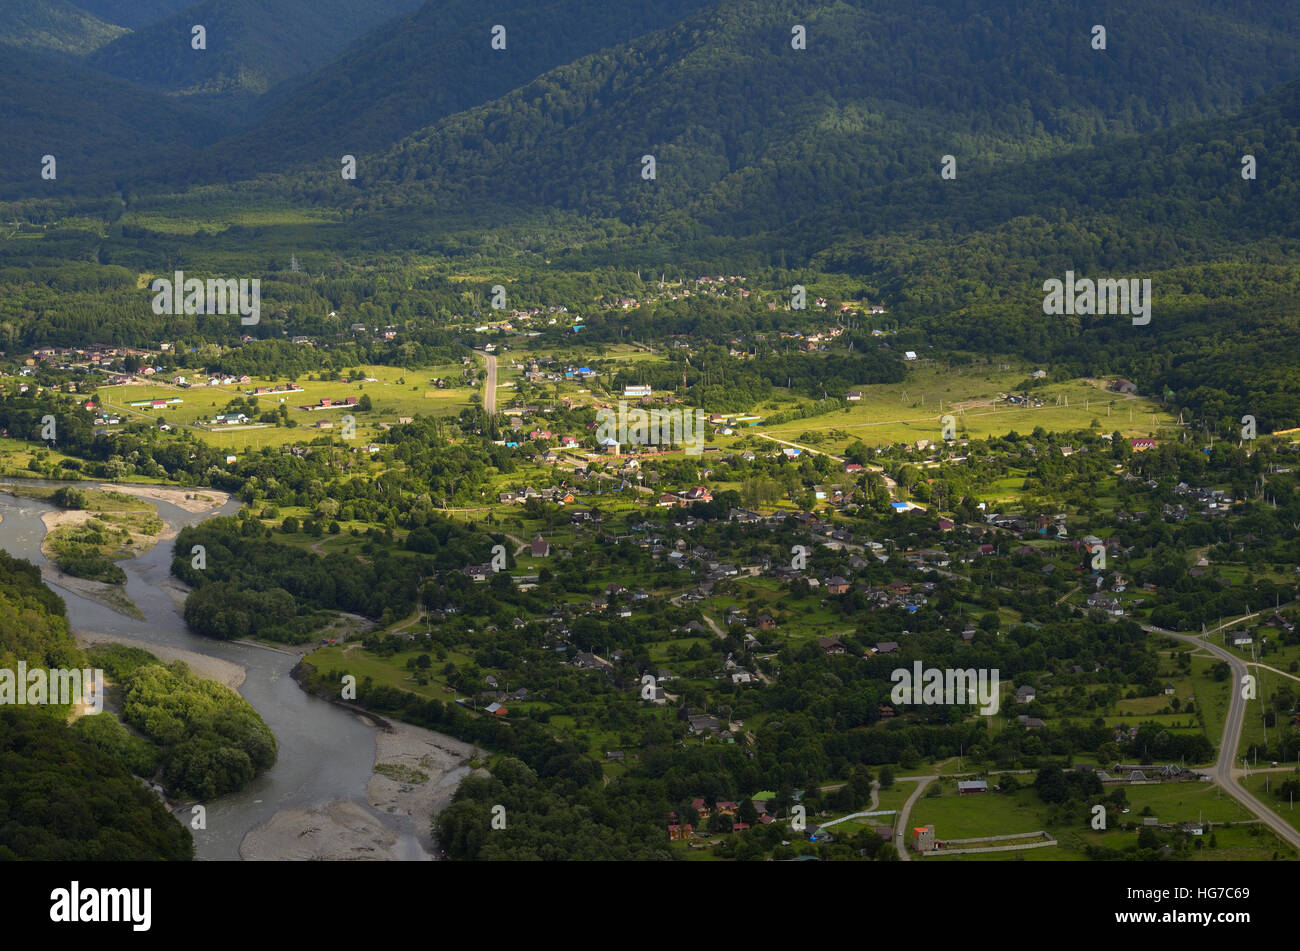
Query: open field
{"points": [[218, 217], [386, 671], [980, 814], [1264, 785], [1211, 698], [396, 393], [1183, 802], [972, 816], [911, 410]]}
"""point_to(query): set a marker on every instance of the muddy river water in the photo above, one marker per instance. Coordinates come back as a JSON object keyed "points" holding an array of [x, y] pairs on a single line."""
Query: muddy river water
{"points": [[325, 753]]}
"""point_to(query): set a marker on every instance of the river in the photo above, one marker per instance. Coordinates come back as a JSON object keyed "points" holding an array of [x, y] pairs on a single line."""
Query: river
{"points": [[325, 753]]}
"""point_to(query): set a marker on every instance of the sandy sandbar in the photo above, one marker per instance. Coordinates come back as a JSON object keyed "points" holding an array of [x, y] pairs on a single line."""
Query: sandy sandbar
{"points": [[343, 830], [209, 668], [191, 500]]}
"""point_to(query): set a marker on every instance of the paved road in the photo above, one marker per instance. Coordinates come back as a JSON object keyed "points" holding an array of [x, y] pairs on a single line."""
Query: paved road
{"points": [[1224, 774], [900, 838], [490, 387]]}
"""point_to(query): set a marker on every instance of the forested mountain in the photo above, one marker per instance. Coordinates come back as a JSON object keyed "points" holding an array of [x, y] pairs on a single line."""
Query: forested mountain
{"points": [[1156, 201], [1081, 159], [748, 132], [421, 68], [133, 14], [250, 44], [1124, 160], [53, 25], [95, 126]]}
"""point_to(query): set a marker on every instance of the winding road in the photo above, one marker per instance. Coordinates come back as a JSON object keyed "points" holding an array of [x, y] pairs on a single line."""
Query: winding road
{"points": [[1224, 772], [905, 813]]}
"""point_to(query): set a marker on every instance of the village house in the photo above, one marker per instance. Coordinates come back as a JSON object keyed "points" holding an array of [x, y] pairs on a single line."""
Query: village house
{"points": [[585, 660], [703, 723]]}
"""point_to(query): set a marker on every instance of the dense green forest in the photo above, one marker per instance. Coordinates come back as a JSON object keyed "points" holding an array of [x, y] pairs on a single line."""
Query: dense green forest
{"points": [[418, 69], [872, 101], [63, 797], [55, 25], [133, 14], [251, 586], [210, 741], [241, 56]]}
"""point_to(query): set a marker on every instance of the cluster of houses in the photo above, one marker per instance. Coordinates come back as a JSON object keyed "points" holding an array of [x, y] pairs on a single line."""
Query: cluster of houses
{"points": [[494, 699], [522, 316], [387, 333], [696, 494], [95, 354], [1211, 501], [678, 831], [543, 370], [328, 403], [815, 340], [707, 285], [556, 494], [186, 383]]}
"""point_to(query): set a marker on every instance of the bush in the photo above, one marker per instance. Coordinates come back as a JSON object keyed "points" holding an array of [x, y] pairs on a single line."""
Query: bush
{"points": [[93, 566], [66, 497]]}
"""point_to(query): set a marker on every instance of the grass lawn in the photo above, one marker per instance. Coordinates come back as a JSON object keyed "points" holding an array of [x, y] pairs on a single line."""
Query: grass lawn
{"points": [[896, 795], [911, 410], [220, 216], [1211, 697], [981, 814], [388, 671], [1244, 844], [397, 392], [1178, 720], [957, 817], [1184, 802], [1048, 853], [1257, 783]]}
